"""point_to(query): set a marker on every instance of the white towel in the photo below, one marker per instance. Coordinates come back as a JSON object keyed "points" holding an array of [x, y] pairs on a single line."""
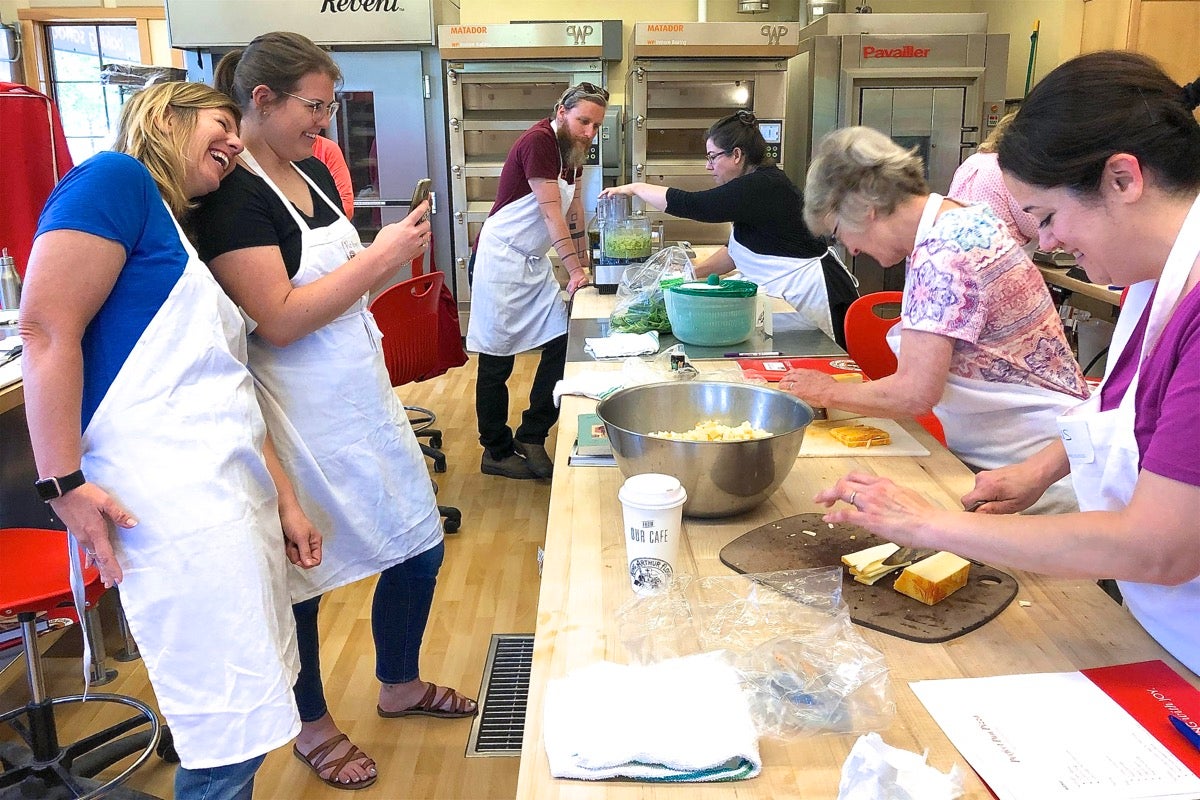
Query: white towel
{"points": [[618, 345], [596, 385], [684, 719]]}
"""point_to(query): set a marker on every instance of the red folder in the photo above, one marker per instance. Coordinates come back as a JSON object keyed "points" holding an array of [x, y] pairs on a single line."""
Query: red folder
{"points": [[1150, 692]]}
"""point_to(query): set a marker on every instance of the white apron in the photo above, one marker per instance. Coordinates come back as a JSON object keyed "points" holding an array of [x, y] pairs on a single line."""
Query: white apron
{"points": [[990, 425], [516, 303], [178, 441], [342, 434], [800, 281], [1104, 453]]}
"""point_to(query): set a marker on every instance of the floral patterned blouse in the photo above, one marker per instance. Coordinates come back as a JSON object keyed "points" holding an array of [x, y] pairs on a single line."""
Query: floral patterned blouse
{"points": [[968, 279]]}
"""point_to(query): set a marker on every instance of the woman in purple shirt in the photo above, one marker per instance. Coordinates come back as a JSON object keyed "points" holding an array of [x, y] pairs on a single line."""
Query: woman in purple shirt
{"points": [[1123, 196]]}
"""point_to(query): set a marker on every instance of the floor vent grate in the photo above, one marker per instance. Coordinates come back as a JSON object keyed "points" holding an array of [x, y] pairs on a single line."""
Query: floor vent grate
{"points": [[503, 697]]}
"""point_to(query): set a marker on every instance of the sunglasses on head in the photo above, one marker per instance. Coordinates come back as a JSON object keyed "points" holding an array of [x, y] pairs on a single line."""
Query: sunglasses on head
{"points": [[584, 89]]}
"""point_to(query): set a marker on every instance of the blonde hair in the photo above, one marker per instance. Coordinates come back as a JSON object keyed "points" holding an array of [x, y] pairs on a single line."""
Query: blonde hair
{"points": [[992, 143], [156, 126], [857, 170]]}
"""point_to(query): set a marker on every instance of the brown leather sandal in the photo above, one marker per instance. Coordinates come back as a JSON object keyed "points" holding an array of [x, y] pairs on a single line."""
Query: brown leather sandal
{"points": [[318, 761], [433, 704]]}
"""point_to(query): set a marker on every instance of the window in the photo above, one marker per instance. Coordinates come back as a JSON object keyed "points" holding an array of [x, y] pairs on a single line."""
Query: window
{"points": [[76, 52]]}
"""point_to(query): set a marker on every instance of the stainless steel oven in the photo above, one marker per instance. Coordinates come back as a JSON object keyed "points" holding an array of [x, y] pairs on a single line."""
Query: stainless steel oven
{"points": [[930, 81], [499, 81], [683, 77]]}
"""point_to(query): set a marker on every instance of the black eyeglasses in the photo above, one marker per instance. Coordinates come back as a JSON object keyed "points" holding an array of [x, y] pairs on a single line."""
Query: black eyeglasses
{"points": [[317, 108], [711, 157], [583, 89]]}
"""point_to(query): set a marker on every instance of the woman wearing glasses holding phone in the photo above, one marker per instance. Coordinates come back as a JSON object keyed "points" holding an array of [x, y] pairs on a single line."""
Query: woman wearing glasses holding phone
{"points": [[770, 244], [278, 243]]}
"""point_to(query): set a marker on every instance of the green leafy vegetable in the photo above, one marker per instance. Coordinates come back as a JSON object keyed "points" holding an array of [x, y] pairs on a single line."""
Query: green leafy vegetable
{"points": [[646, 314]]}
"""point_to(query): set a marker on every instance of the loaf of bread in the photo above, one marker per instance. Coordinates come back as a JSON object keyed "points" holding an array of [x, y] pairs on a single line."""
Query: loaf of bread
{"points": [[861, 435], [933, 579]]}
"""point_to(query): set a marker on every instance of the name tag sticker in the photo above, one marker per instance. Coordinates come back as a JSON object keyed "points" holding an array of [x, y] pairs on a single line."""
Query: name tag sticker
{"points": [[352, 246], [1077, 440]]}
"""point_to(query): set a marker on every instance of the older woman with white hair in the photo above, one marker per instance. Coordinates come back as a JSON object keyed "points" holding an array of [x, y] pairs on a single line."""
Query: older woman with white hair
{"points": [[979, 342]]}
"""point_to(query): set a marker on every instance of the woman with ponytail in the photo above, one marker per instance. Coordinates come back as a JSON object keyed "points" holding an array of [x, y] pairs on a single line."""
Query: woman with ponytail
{"points": [[276, 239], [1121, 193]]}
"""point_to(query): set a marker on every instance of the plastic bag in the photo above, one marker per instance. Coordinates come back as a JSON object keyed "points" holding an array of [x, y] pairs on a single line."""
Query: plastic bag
{"points": [[670, 365], [640, 305], [805, 668]]}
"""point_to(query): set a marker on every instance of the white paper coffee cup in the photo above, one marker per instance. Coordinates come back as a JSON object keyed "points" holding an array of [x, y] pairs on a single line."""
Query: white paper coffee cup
{"points": [[653, 516]]}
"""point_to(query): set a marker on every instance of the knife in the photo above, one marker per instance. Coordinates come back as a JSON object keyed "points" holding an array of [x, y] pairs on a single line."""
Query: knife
{"points": [[907, 555], [12, 355]]}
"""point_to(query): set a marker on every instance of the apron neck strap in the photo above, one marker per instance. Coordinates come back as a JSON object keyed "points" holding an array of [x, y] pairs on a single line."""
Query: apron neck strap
{"points": [[1175, 274], [253, 165], [933, 204], [1166, 292]]}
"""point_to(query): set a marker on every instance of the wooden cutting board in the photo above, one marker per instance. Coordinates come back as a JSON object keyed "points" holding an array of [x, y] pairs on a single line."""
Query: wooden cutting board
{"points": [[818, 443], [784, 545]]}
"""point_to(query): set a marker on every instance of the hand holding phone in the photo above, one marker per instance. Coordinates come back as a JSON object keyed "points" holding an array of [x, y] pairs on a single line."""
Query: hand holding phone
{"points": [[420, 194]]}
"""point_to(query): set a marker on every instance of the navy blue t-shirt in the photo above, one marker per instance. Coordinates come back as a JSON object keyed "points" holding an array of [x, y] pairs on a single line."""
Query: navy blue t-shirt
{"points": [[113, 196]]}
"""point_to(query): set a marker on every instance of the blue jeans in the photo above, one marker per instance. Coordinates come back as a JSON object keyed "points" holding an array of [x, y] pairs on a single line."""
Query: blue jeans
{"points": [[399, 612], [227, 782]]}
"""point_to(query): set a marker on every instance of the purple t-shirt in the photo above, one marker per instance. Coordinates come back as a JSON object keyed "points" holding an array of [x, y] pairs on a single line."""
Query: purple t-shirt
{"points": [[1168, 396], [533, 155]]}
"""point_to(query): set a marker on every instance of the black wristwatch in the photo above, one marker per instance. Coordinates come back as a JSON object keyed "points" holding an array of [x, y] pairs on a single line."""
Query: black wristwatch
{"points": [[53, 488]]}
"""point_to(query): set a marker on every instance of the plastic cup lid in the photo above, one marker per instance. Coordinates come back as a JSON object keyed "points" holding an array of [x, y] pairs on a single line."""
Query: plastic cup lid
{"points": [[652, 490]]}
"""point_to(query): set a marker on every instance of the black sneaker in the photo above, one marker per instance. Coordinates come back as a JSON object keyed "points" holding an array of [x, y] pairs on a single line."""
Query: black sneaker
{"points": [[536, 458], [511, 466]]}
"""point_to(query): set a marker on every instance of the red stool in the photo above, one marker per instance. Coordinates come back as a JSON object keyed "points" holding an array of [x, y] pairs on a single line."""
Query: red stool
{"points": [[35, 578], [866, 341]]}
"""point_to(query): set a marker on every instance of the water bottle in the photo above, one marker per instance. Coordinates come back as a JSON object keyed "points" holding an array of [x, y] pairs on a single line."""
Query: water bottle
{"points": [[10, 282]]}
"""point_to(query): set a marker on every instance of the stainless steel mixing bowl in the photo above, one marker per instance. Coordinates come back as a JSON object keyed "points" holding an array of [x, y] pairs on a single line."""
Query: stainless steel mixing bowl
{"points": [[721, 478]]}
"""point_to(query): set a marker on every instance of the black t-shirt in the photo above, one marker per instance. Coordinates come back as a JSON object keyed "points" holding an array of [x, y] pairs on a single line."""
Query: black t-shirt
{"points": [[245, 212], [766, 210]]}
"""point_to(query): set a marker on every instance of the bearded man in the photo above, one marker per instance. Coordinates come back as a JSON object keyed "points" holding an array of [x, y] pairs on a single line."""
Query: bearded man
{"points": [[516, 303]]}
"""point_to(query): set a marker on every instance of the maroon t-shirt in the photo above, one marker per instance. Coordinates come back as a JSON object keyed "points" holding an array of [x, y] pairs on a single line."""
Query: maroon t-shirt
{"points": [[533, 155], [1168, 393]]}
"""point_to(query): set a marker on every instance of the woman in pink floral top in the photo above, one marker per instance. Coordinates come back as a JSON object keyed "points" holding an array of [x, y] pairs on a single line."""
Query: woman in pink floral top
{"points": [[979, 342]]}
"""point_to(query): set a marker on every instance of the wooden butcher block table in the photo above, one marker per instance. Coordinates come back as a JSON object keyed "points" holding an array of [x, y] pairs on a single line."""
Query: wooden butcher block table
{"points": [[1057, 625]]}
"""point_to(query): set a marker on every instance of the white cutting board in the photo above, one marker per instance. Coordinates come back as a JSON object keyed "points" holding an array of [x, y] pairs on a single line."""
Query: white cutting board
{"points": [[819, 444]]}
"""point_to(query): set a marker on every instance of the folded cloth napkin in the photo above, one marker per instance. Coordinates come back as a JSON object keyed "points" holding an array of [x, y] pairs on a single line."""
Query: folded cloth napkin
{"points": [[618, 345], [596, 385], [684, 719]]}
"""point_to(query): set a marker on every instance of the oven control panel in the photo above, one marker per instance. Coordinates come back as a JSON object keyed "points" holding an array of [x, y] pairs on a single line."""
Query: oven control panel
{"points": [[772, 132]]}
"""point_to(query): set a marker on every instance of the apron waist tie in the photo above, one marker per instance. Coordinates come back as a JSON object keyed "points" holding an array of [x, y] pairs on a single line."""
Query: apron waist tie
{"points": [[80, 600]]}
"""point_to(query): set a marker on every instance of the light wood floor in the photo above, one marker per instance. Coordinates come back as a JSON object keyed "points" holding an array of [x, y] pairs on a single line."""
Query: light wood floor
{"points": [[488, 584]]}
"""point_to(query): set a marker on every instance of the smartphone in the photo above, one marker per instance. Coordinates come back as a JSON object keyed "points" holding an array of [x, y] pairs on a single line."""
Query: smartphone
{"points": [[421, 194]]}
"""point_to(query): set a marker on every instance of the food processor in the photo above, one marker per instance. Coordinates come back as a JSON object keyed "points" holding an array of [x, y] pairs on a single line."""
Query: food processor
{"points": [[624, 240]]}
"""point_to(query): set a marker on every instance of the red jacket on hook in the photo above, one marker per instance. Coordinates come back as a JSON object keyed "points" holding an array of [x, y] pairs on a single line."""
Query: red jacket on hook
{"points": [[33, 156]]}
